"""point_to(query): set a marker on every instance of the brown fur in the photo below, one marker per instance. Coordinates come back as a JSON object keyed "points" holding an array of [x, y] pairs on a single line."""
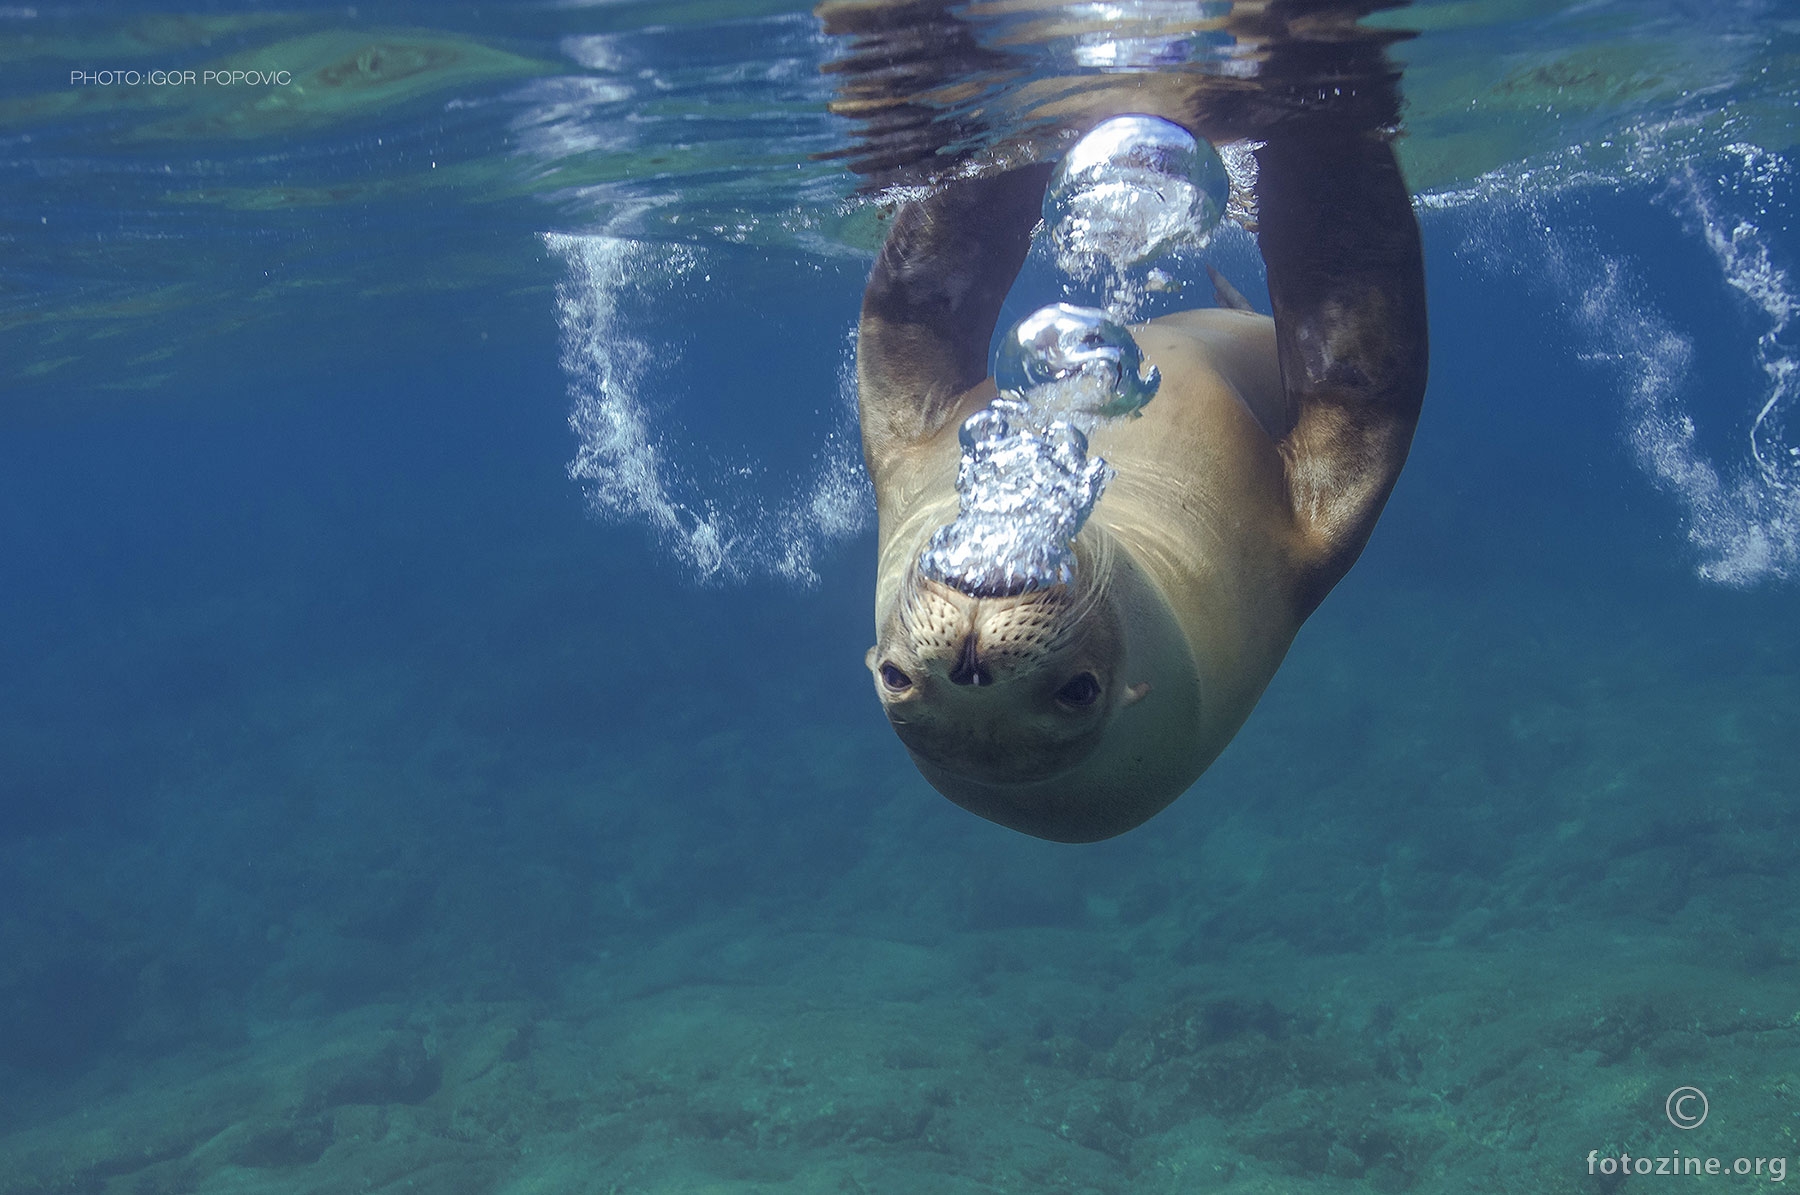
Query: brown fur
{"points": [[1244, 492]]}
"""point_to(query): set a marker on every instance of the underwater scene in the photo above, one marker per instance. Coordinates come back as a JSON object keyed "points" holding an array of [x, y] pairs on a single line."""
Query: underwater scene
{"points": [[437, 565]]}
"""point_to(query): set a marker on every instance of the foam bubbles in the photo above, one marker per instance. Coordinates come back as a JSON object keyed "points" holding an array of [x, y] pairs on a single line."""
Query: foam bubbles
{"points": [[1131, 190], [1025, 487], [1742, 251], [723, 528], [1741, 515]]}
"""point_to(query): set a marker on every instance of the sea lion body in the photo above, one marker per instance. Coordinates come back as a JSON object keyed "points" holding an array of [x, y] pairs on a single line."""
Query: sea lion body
{"points": [[1198, 538], [1243, 493]]}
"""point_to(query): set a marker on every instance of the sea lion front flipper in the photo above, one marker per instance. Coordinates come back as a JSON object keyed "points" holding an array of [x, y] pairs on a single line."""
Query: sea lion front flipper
{"points": [[932, 301], [1347, 284]]}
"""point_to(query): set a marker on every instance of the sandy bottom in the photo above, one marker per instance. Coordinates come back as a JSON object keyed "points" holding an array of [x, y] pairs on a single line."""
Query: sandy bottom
{"points": [[1456, 910], [736, 1059]]}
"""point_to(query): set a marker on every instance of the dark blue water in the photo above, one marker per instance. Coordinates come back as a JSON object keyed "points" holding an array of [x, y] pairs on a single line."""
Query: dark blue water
{"points": [[372, 814]]}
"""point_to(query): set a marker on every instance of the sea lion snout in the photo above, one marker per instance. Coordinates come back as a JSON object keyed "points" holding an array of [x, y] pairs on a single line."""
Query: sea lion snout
{"points": [[968, 670], [975, 642], [998, 689]]}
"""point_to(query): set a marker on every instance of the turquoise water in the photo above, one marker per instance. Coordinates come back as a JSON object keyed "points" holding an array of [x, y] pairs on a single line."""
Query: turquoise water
{"points": [[435, 752]]}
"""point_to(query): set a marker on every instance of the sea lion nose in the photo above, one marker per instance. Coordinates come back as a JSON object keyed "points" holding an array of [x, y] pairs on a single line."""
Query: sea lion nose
{"points": [[968, 670]]}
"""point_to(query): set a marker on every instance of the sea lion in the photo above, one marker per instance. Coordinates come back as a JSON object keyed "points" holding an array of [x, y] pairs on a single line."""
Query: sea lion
{"points": [[1243, 494]]}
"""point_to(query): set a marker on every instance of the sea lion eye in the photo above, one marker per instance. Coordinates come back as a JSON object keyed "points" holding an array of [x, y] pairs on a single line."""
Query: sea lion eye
{"points": [[1080, 692], [895, 679]]}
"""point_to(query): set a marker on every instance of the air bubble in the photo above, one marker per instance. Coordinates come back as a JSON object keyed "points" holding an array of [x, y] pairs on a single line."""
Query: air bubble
{"points": [[1130, 191], [1025, 489], [1074, 363], [1027, 485], [1133, 189]]}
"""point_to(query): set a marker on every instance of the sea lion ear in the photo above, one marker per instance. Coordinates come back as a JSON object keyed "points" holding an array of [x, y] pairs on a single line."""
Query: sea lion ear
{"points": [[869, 657], [1225, 294], [1136, 693]]}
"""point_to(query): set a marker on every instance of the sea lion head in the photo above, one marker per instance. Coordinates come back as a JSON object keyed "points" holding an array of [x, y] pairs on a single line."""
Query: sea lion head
{"points": [[1003, 691]]}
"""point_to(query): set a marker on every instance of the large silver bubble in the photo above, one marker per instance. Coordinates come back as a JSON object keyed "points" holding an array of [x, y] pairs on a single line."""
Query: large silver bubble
{"points": [[1131, 190], [1075, 363]]}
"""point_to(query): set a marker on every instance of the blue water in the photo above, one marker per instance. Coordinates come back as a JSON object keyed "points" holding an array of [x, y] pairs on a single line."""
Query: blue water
{"points": [[383, 807]]}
